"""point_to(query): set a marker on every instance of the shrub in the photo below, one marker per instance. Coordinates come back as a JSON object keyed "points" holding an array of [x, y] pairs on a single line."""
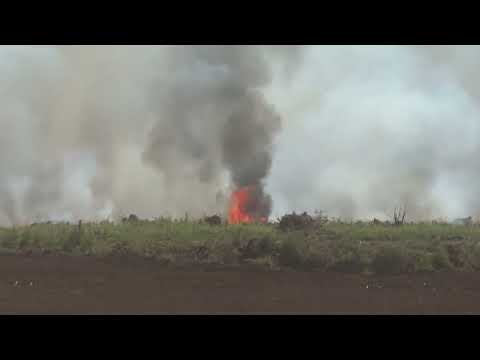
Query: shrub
{"points": [[73, 241], [390, 260], [420, 261], [8, 239], [213, 220], [257, 248], [440, 259], [456, 255], [475, 256], [319, 256], [294, 222], [290, 254]]}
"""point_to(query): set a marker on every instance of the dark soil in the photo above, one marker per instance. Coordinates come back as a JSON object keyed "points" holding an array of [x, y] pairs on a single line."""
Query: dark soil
{"points": [[50, 284]]}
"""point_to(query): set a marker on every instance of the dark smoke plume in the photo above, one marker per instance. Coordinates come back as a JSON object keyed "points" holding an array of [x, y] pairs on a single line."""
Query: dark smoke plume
{"points": [[93, 131], [215, 118]]}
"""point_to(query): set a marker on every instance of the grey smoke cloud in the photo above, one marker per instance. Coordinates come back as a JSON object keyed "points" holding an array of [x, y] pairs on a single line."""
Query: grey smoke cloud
{"points": [[151, 130], [88, 131], [213, 118]]}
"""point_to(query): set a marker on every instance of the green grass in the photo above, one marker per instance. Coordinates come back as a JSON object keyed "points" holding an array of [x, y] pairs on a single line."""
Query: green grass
{"points": [[358, 248]]}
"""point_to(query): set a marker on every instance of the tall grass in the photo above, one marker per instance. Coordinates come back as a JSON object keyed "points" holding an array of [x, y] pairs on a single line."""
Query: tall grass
{"points": [[333, 246]]}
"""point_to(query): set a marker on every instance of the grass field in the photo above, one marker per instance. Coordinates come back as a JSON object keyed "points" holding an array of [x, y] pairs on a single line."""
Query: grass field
{"points": [[357, 248]]}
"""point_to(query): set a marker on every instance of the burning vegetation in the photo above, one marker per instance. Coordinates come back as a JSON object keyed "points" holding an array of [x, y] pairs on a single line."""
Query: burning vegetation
{"points": [[249, 205]]}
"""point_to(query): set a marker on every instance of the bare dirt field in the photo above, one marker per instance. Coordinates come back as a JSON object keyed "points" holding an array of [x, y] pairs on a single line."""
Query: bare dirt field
{"points": [[54, 284]]}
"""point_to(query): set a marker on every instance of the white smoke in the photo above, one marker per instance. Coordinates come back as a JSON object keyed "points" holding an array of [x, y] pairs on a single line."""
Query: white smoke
{"points": [[368, 128]]}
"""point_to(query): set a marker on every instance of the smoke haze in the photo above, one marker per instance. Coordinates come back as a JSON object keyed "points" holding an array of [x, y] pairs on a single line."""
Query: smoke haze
{"points": [[368, 128], [164, 130], [92, 131]]}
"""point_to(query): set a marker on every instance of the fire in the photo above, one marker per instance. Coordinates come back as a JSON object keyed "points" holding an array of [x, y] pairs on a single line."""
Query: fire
{"points": [[238, 202], [238, 212]]}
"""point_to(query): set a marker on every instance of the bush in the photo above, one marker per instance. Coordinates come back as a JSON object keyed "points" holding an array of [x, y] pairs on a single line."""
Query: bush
{"points": [[475, 256], [294, 222], [320, 256], [224, 253], [214, 220], [257, 248], [390, 260], [8, 239], [456, 255], [290, 254], [420, 261], [440, 260], [72, 242]]}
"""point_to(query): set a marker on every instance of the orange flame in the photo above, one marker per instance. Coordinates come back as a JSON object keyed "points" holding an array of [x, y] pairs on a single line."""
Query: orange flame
{"points": [[238, 208]]}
